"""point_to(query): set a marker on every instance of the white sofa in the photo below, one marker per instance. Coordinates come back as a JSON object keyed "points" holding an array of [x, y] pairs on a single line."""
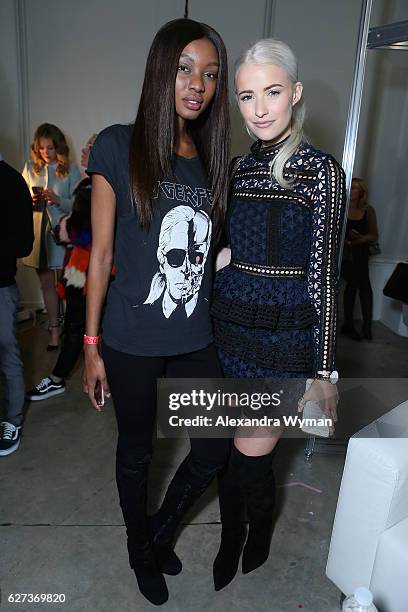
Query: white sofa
{"points": [[369, 543]]}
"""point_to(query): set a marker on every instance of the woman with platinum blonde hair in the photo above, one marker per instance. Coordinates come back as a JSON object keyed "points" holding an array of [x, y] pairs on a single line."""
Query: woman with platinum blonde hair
{"points": [[269, 51], [274, 304]]}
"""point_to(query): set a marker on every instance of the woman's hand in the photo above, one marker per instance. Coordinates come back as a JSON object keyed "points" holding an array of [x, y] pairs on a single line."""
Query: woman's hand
{"points": [[37, 196], [223, 259], [51, 197], [357, 238], [94, 370], [326, 395], [64, 237], [99, 270]]}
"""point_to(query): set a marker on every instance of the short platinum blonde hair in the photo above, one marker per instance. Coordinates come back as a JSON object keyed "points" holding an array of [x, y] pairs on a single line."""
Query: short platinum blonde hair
{"points": [[278, 53]]}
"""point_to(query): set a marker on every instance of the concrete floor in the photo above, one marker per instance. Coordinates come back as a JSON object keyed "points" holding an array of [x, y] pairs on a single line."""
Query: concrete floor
{"points": [[61, 528]]}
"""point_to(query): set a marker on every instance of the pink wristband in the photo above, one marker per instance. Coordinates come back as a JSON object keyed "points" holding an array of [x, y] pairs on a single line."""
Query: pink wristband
{"points": [[91, 339]]}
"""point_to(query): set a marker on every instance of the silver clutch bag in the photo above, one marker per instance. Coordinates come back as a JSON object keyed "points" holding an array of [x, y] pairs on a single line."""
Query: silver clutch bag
{"points": [[314, 417]]}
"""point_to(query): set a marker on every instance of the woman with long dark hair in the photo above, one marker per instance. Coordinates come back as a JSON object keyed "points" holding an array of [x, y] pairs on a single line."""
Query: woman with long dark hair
{"points": [[51, 179], [274, 304], [158, 195]]}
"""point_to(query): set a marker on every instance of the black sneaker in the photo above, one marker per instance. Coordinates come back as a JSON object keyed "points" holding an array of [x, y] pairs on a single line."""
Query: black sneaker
{"points": [[10, 437], [46, 388]]}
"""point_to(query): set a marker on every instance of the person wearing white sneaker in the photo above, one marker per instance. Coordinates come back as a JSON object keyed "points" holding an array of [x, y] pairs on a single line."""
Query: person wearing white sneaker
{"points": [[16, 240], [10, 437]]}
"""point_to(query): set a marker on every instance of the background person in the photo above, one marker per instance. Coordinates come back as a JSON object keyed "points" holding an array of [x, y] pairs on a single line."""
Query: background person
{"points": [[51, 179], [16, 240], [75, 232], [361, 231]]}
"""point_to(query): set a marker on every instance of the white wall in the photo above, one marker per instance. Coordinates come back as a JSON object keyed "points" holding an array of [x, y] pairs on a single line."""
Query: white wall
{"points": [[102, 48], [324, 39], [240, 24], [88, 70], [85, 65], [382, 151], [10, 108], [13, 107], [382, 158], [323, 35]]}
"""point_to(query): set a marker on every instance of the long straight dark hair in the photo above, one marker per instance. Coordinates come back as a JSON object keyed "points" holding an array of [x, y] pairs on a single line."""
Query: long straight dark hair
{"points": [[155, 130]]}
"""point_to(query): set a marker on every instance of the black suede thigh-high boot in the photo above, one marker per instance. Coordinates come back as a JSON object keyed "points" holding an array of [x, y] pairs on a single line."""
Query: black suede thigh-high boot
{"points": [[189, 482], [258, 482], [233, 531], [132, 485], [167, 560]]}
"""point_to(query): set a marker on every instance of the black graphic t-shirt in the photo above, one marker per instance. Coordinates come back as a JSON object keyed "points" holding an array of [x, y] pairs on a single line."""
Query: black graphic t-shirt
{"points": [[158, 303]]}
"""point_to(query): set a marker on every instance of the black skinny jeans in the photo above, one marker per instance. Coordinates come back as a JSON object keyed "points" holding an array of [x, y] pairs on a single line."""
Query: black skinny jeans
{"points": [[74, 329], [357, 276], [133, 384]]}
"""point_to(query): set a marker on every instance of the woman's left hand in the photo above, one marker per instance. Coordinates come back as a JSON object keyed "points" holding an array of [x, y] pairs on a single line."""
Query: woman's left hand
{"points": [[223, 259], [326, 395], [64, 237], [52, 197], [357, 238]]}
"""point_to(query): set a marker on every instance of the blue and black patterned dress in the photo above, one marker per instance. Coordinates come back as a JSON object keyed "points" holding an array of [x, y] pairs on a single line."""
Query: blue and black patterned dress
{"points": [[274, 305]]}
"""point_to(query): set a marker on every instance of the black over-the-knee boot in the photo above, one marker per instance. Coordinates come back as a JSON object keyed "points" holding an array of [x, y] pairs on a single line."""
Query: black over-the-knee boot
{"points": [[132, 485], [259, 488], [233, 532], [189, 482]]}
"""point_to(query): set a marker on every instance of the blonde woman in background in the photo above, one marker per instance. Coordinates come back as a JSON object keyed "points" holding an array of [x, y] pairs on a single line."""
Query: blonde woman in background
{"points": [[51, 179]]}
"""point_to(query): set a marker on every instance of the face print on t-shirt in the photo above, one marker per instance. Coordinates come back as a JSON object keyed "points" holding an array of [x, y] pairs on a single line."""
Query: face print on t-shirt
{"points": [[184, 242]]}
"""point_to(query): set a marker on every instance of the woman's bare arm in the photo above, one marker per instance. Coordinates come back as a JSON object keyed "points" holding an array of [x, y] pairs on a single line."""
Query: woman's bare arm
{"points": [[99, 271]]}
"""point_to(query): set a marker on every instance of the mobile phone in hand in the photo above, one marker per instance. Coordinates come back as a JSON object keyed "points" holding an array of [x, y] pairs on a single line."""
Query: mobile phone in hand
{"points": [[39, 201], [99, 394]]}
